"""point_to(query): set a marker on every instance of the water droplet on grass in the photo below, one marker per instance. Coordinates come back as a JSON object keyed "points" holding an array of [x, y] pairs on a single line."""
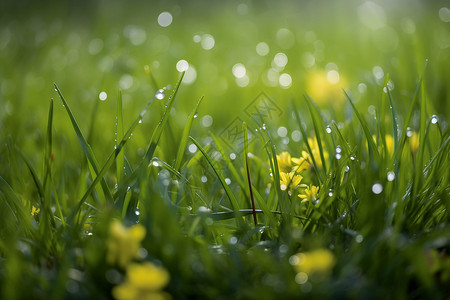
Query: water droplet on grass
{"points": [[434, 119], [390, 176], [160, 94], [328, 129], [377, 188]]}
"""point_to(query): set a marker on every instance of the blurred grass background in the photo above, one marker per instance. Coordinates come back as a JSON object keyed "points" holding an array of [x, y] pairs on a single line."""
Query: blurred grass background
{"points": [[87, 47]]}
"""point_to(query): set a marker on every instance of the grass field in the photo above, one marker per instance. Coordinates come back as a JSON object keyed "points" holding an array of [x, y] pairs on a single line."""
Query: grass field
{"points": [[209, 150]]}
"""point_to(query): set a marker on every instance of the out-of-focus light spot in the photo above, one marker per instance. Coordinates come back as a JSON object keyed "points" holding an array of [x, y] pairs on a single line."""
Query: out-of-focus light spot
{"points": [[262, 49], [326, 87], [444, 14], [165, 19], [331, 66], [95, 46], [378, 72], [5, 37], [408, 26], [192, 148], [106, 64], [285, 38], [207, 121], [182, 65], [126, 82], [243, 81], [296, 135], [371, 15], [190, 76], [102, 96], [371, 110], [136, 35], [196, 38], [362, 88], [280, 60], [228, 181], [310, 36], [207, 42], [333, 76], [271, 77], [282, 131], [239, 70], [308, 60], [285, 80], [242, 9]]}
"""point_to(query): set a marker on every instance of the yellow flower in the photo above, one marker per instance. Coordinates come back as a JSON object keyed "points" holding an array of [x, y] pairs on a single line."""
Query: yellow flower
{"points": [[320, 261], [326, 87], [315, 151], [144, 281], [289, 180], [124, 243], [300, 164], [414, 142], [35, 211], [310, 194], [284, 162]]}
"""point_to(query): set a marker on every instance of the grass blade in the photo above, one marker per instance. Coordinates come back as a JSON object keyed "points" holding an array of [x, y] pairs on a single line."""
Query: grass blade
{"points": [[185, 136], [86, 147], [249, 182]]}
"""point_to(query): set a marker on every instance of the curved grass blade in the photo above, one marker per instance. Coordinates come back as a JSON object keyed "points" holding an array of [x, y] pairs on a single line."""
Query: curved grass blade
{"points": [[120, 159], [317, 130], [86, 147], [305, 138], [225, 186], [159, 128], [373, 151], [185, 136], [249, 182]]}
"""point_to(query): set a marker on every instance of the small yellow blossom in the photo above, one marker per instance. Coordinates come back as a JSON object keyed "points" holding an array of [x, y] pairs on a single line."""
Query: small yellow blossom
{"points": [[289, 180], [310, 194], [320, 261], [124, 243], [35, 211], [315, 151], [300, 164], [284, 162], [414, 142], [143, 281]]}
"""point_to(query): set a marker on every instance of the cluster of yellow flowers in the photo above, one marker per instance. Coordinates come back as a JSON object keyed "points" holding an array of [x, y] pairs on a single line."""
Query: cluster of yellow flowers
{"points": [[143, 281], [291, 168]]}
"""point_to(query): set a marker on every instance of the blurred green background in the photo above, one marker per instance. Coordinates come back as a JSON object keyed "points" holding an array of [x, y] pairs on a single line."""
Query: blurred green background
{"points": [[234, 50]]}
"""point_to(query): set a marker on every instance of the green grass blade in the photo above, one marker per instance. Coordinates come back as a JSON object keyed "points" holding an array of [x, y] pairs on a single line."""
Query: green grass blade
{"points": [[120, 159], [225, 186], [86, 147], [159, 128], [305, 138], [226, 158], [249, 182], [185, 136], [373, 151], [318, 130]]}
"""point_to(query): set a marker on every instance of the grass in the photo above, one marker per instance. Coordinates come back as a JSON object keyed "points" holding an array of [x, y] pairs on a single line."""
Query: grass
{"points": [[346, 195]]}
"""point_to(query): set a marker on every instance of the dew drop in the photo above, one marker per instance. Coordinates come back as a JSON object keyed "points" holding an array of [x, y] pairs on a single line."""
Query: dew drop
{"points": [[347, 168], [377, 188], [338, 156], [338, 149], [330, 193], [195, 115], [390, 176], [228, 181], [140, 121], [160, 94], [352, 157], [204, 179], [264, 126], [434, 119], [233, 156], [328, 129]]}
